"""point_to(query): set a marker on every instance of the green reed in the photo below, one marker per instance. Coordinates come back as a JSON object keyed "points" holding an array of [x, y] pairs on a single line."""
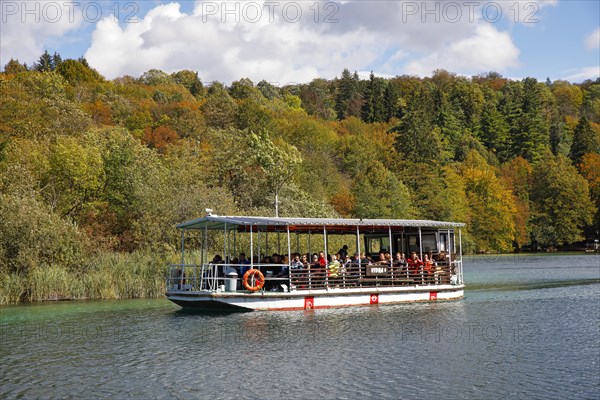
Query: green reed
{"points": [[104, 276]]}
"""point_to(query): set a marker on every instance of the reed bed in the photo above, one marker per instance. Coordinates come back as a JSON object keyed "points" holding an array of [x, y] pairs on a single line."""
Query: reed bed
{"points": [[103, 276]]}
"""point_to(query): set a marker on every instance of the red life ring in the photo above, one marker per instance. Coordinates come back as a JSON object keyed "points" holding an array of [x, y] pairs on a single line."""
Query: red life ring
{"points": [[259, 280]]}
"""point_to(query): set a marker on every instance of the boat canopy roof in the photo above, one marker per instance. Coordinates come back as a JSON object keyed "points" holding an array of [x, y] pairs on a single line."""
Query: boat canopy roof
{"points": [[241, 223]]}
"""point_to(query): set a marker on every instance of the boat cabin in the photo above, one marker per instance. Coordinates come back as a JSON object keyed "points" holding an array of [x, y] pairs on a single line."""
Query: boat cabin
{"points": [[243, 254]]}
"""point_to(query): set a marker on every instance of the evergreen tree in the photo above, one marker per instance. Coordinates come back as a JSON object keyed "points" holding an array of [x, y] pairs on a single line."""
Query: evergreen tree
{"points": [[418, 138], [494, 132], [390, 101], [56, 60], [531, 136], [585, 140], [45, 63], [448, 117], [373, 109], [347, 92], [529, 132]]}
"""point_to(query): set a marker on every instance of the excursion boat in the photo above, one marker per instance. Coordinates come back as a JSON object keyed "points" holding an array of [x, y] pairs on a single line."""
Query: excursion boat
{"points": [[246, 278]]}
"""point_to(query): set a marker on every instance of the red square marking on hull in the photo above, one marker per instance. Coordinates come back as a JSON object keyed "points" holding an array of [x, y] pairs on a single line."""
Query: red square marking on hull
{"points": [[374, 298]]}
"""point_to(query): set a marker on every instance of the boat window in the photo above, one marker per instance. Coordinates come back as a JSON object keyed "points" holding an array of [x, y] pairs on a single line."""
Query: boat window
{"points": [[429, 242], [443, 244], [399, 245], [375, 244], [413, 243]]}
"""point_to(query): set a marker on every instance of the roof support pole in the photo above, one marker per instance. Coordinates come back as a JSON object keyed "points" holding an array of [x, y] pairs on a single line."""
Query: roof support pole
{"points": [[420, 245], [460, 271], [206, 242], [325, 240], [251, 249], [448, 248], [421, 254], [201, 248], [182, 257], [289, 266], [358, 251], [234, 243], [391, 251], [325, 245]]}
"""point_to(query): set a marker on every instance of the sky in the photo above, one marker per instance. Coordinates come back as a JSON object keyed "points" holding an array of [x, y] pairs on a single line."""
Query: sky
{"points": [[285, 42]]}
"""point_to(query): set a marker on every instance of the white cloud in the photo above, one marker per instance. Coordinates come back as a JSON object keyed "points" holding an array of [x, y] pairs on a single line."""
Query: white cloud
{"points": [[27, 27], [583, 74], [487, 50], [289, 44], [592, 41]]}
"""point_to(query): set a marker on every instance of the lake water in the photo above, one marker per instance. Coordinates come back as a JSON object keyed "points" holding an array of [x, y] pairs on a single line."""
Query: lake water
{"points": [[528, 327]]}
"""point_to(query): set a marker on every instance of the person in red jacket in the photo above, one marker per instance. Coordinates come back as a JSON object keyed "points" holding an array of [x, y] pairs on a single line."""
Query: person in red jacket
{"points": [[414, 265]]}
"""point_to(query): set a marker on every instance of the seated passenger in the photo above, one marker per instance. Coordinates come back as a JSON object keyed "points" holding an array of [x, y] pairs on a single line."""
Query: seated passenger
{"points": [[322, 259], [400, 260], [381, 259], [317, 269], [285, 262], [414, 263], [296, 262], [428, 266], [333, 268], [304, 261]]}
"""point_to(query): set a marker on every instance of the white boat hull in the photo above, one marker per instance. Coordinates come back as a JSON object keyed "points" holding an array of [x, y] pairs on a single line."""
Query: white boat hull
{"points": [[312, 299]]}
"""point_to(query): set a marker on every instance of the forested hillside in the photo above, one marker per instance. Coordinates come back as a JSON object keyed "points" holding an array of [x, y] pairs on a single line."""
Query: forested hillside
{"points": [[97, 172]]}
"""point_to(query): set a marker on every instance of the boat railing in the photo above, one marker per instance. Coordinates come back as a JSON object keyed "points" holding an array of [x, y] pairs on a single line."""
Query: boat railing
{"points": [[278, 277]]}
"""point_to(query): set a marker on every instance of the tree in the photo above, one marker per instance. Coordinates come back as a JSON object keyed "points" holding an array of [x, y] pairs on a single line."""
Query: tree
{"points": [[244, 89], [347, 93], [268, 90], [417, 138], [530, 134], [516, 175], [278, 161], [591, 103], [373, 108], [76, 72], [252, 115], [160, 137], [219, 109], [585, 140], [189, 80], [561, 204], [317, 98], [14, 67], [32, 236], [590, 170], [491, 206], [45, 63], [379, 194], [448, 117], [155, 77], [569, 98], [75, 177]]}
